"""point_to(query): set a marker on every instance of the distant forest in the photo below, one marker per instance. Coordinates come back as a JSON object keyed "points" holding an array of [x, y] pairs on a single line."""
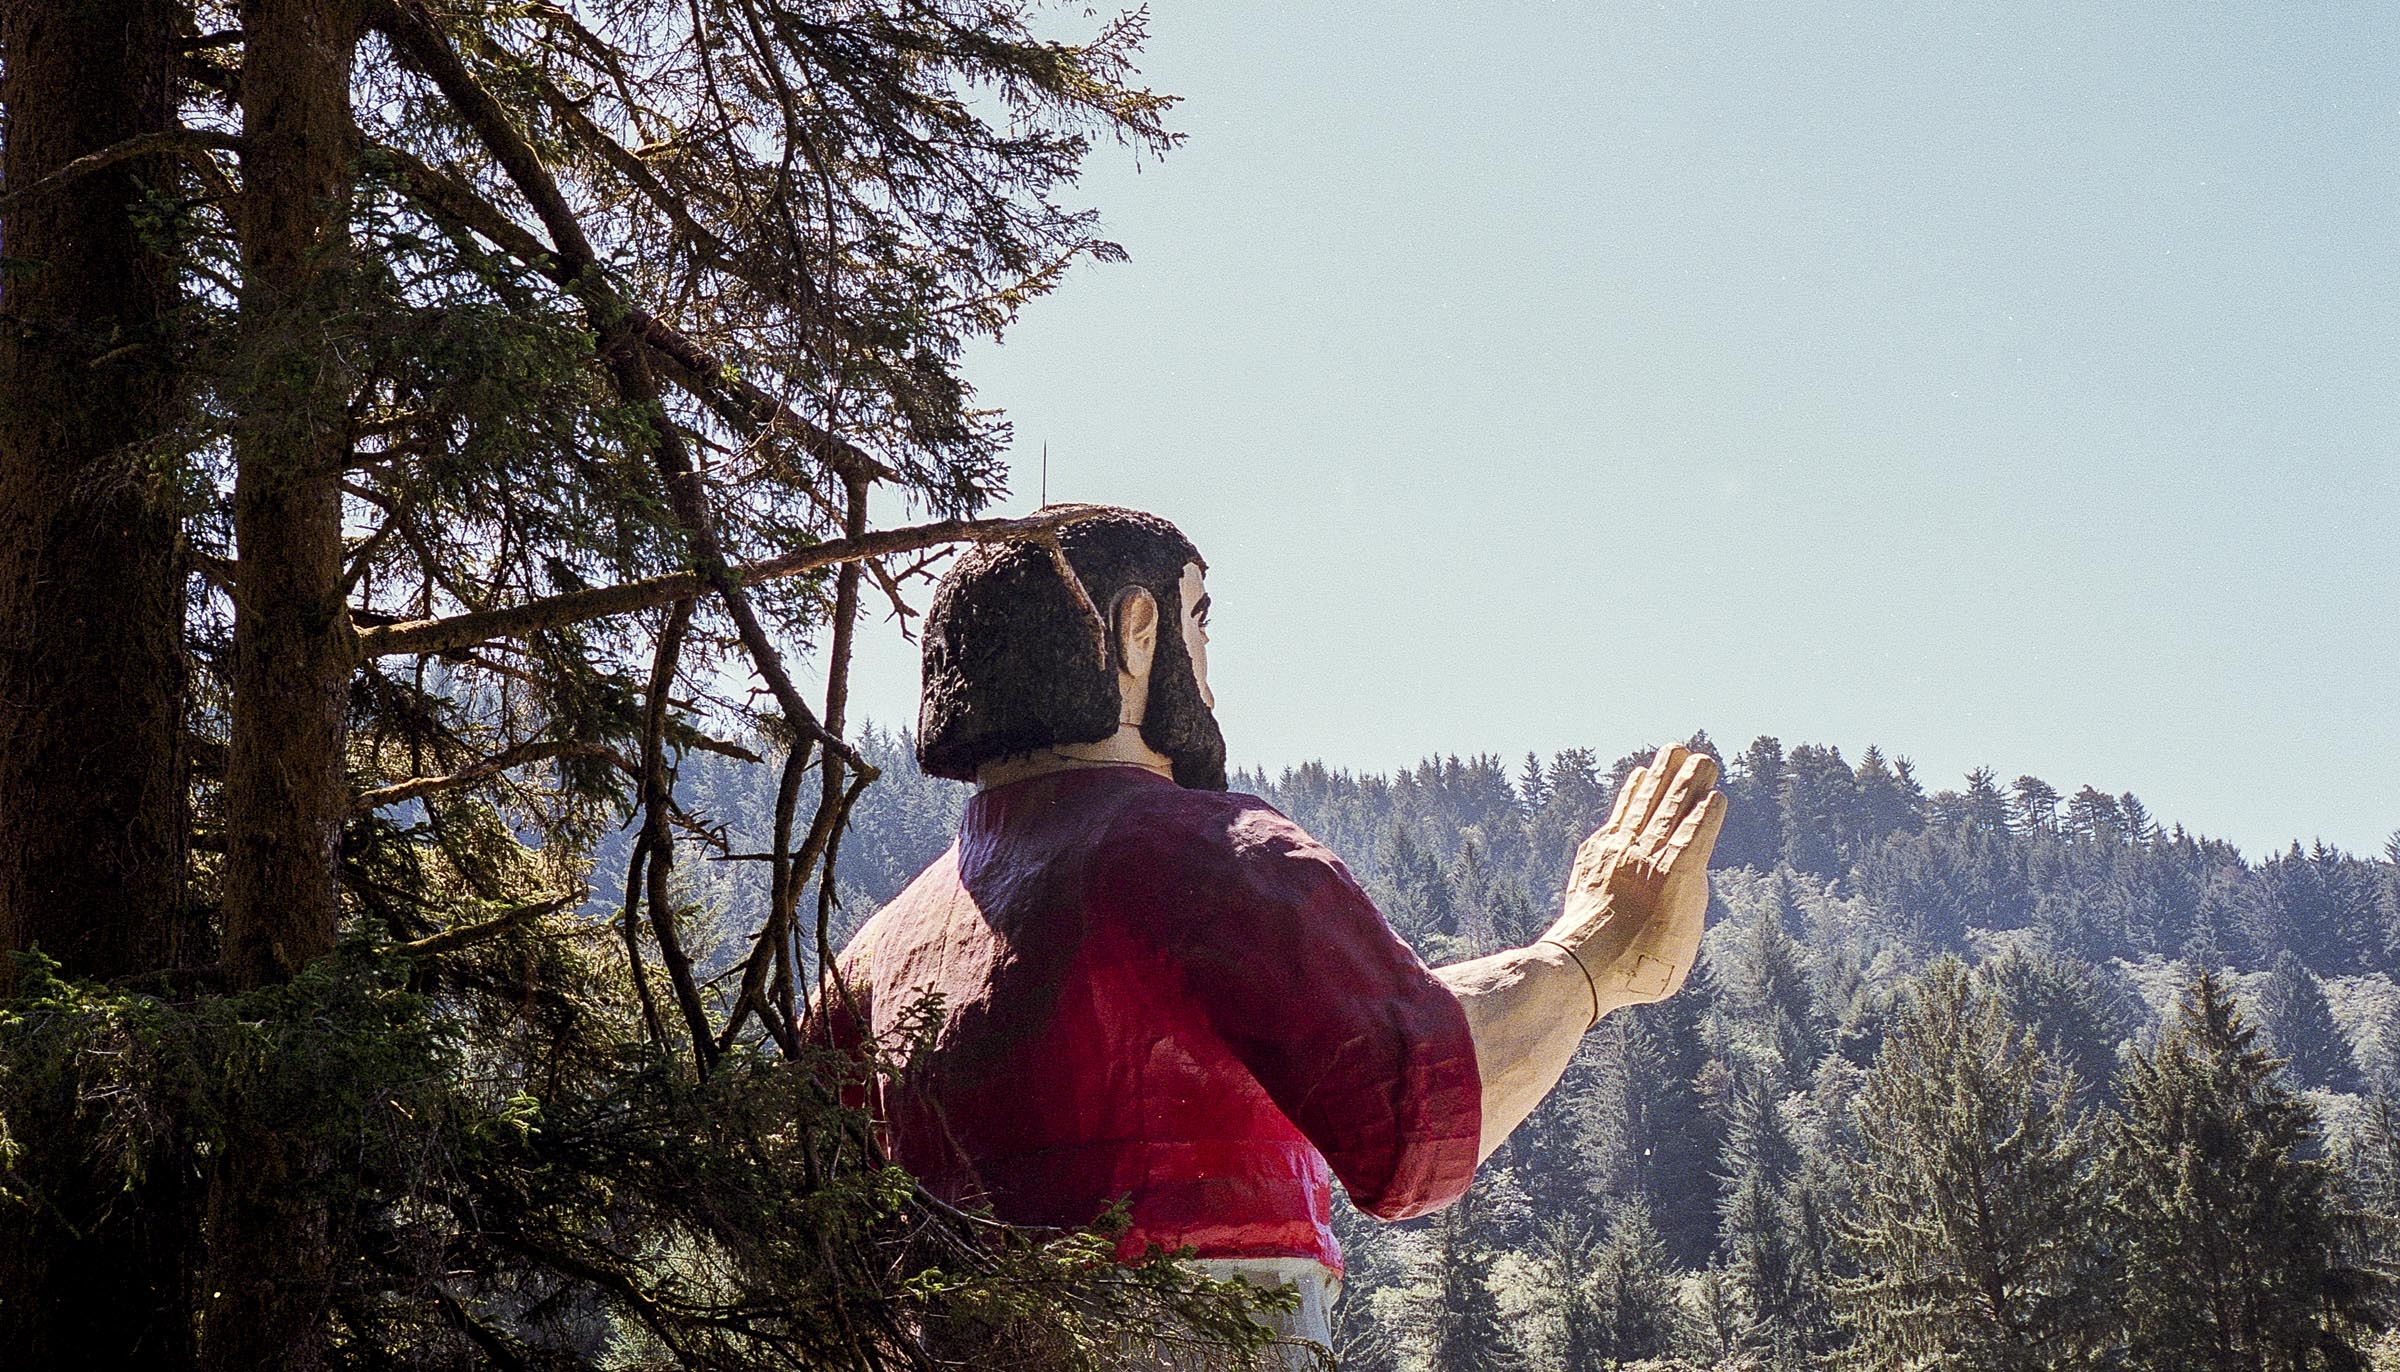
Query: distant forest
{"points": [[1997, 1076]]}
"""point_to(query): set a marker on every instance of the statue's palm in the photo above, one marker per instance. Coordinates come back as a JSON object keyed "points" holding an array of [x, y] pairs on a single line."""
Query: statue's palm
{"points": [[1637, 898]]}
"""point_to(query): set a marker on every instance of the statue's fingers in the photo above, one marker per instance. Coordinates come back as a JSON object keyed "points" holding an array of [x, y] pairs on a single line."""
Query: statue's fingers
{"points": [[1682, 799], [1632, 783], [1658, 776], [1696, 837], [1600, 850]]}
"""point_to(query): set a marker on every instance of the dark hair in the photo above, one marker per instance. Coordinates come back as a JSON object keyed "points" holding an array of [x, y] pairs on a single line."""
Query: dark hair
{"points": [[1014, 662]]}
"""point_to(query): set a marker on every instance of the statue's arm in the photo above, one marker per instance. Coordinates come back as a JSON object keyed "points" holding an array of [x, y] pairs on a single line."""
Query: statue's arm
{"points": [[1526, 1009], [1636, 905]]}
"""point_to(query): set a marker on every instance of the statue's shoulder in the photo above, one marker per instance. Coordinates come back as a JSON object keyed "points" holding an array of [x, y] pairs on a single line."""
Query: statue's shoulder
{"points": [[1226, 833], [1178, 813], [932, 888]]}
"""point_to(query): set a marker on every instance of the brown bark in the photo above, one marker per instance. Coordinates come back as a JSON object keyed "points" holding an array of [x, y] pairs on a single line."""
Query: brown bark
{"points": [[285, 798], [271, 1237], [91, 596], [91, 644]]}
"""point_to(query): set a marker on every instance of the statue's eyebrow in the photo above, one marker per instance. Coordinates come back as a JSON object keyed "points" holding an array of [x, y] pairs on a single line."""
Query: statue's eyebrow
{"points": [[1200, 607]]}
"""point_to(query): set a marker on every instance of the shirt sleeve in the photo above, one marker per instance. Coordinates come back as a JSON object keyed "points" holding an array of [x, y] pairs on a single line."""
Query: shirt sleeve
{"points": [[1349, 1033]]}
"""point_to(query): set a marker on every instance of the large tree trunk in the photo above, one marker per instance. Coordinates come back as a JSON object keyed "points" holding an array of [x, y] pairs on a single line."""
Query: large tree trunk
{"points": [[271, 1241], [91, 593], [92, 810], [284, 790]]}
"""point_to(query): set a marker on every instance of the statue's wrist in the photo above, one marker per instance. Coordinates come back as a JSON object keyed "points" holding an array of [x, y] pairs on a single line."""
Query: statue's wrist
{"points": [[1592, 985]]}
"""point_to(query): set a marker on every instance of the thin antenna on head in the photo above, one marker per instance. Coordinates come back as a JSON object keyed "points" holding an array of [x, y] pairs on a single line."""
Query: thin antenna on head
{"points": [[1045, 471]]}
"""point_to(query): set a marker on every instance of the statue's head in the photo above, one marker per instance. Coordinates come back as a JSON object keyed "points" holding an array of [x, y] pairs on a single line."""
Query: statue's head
{"points": [[1015, 662]]}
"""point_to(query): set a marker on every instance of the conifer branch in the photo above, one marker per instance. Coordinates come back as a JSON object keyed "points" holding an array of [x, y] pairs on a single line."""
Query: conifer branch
{"points": [[466, 936], [571, 263], [490, 767]]}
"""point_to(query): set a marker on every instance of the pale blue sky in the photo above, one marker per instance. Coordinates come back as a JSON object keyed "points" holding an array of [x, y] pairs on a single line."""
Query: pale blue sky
{"points": [[2008, 384]]}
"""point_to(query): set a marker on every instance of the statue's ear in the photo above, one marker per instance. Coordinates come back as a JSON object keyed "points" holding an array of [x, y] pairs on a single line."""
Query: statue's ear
{"points": [[1133, 632]]}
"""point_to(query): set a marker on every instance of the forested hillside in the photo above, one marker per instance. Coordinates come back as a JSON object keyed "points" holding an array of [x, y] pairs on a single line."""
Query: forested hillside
{"points": [[1949, 1088]]}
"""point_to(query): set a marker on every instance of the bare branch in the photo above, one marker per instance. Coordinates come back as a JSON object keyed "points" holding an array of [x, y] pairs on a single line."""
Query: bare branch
{"points": [[657, 801], [193, 145], [550, 612], [1093, 620]]}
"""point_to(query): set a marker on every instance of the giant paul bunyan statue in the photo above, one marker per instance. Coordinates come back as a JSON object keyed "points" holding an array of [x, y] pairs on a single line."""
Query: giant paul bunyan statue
{"points": [[1158, 992]]}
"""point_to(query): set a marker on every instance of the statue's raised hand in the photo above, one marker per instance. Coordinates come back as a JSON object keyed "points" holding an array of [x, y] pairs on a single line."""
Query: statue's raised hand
{"points": [[1637, 899]]}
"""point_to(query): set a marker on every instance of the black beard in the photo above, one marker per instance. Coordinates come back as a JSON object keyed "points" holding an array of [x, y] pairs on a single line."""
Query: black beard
{"points": [[1180, 725], [1198, 750]]}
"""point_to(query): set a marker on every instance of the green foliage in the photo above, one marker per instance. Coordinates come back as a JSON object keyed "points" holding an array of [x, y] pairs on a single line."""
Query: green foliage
{"points": [[1444, 1315], [2299, 1025], [2232, 1255], [1975, 1234], [1604, 1301], [2077, 1015], [1647, 1136], [1773, 1232], [593, 294], [1767, 1011], [1699, 1129], [553, 1191]]}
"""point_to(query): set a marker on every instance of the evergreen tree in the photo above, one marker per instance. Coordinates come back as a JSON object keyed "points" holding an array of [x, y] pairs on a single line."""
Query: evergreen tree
{"points": [[1715, 1336], [2094, 816], [1753, 786], [2353, 893], [2292, 909], [94, 769], [1533, 786], [1576, 1339], [1938, 884], [1784, 893], [2069, 1005], [1974, 1235], [1444, 1315], [2139, 827], [1633, 1287], [1681, 1099], [1606, 1303], [1762, 1220], [1650, 1138], [2371, 1172], [425, 326], [2224, 1214], [1983, 802], [1889, 799], [2033, 806], [2300, 1028], [1576, 798], [1764, 994], [1413, 890], [1820, 803], [2391, 895]]}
